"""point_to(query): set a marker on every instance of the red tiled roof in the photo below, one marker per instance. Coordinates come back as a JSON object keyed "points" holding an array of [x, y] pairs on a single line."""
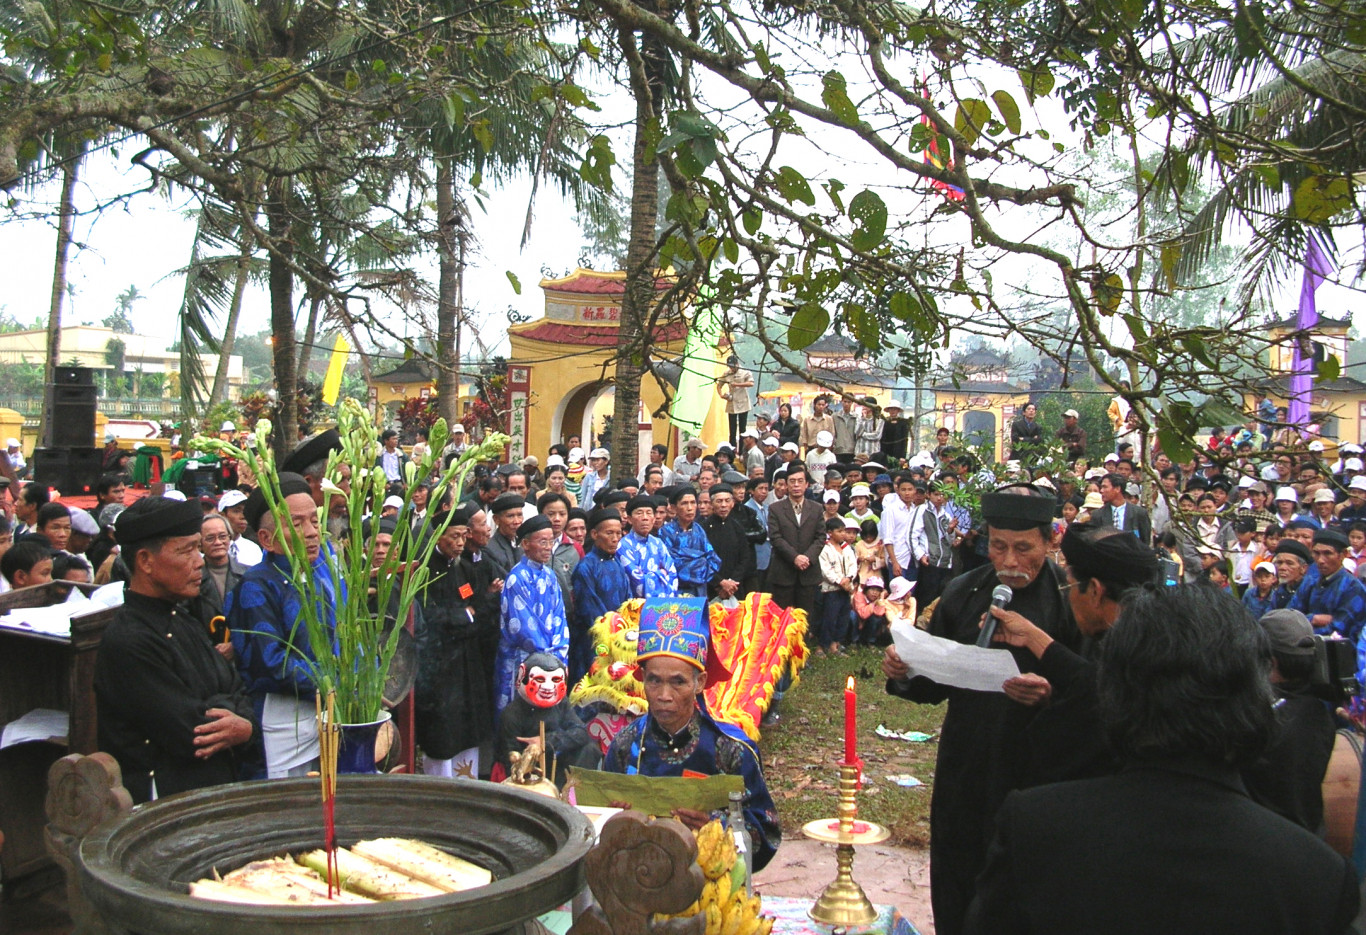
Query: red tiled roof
{"points": [[590, 282], [591, 335]]}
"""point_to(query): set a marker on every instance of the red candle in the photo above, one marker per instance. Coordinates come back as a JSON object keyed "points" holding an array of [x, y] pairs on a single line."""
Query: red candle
{"points": [[850, 722]]}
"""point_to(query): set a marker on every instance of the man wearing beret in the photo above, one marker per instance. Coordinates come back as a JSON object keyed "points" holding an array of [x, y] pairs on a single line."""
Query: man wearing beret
{"points": [[309, 461], [171, 709], [269, 634], [1065, 739], [731, 544], [1293, 567], [503, 551], [601, 584], [696, 561], [982, 752], [533, 616], [646, 557], [1336, 602]]}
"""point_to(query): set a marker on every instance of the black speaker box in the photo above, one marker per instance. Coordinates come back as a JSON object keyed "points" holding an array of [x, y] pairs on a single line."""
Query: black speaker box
{"points": [[72, 470], [73, 376], [73, 414]]}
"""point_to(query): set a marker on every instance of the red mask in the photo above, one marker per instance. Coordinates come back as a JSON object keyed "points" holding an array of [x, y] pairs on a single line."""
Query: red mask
{"points": [[544, 688]]}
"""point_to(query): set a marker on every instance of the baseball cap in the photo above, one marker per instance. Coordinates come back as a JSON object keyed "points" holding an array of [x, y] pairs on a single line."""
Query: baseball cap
{"points": [[230, 499], [831, 496], [11, 443], [1287, 493], [790, 446], [1324, 496], [1316, 446], [749, 433], [1358, 483], [392, 501], [824, 439], [600, 453], [1290, 632], [770, 440], [1072, 413], [457, 428], [873, 581], [1353, 464], [851, 523], [694, 443], [1264, 566], [860, 490], [575, 454]]}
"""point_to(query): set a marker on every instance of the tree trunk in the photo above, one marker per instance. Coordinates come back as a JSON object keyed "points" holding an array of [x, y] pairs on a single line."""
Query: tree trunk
{"points": [[315, 303], [449, 296], [219, 392], [638, 298], [282, 319], [65, 223]]}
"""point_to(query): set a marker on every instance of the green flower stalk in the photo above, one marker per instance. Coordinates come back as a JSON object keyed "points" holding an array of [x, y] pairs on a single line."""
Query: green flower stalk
{"points": [[353, 657]]}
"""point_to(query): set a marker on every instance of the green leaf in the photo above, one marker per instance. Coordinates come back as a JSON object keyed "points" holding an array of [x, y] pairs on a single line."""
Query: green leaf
{"points": [[971, 117], [834, 95], [1330, 369], [1170, 256], [863, 325], [1038, 82], [1175, 445], [793, 186], [731, 249], [905, 307], [1008, 109], [516, 283], [869, 214], [1108, 293], [752, 220], [808, 323], [1320, 197], [833, 189], [596, 168]]}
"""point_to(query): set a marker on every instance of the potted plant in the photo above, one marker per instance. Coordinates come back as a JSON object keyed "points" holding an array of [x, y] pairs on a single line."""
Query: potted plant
{"points": [[369, 594]]}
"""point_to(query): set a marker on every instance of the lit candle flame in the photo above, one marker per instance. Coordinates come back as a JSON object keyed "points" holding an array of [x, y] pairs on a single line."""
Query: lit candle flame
{"points": [[849, 685]]}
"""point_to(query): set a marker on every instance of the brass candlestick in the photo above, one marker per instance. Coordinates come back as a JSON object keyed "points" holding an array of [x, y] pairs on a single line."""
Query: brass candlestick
{"points": [[844, 902]]}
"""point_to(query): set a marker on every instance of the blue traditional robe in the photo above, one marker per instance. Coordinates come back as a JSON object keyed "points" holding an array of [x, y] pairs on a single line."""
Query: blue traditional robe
{"points": [[533, 621], [264, 614], [1341, 596], [650, 565], [708, 747], [601, 584], [693, 555]]}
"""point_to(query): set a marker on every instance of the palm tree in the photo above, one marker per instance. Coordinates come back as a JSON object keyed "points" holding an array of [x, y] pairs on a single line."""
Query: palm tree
{"points": [[1283, 142]]}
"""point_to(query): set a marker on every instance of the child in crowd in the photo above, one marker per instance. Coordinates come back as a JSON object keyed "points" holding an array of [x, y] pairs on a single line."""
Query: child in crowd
{"points": [[839, 569], [830, 504], [869, 551], [871, 613], [1356, 548], [899, 605], [860, 503], [1260, 597], [1216, 576]]}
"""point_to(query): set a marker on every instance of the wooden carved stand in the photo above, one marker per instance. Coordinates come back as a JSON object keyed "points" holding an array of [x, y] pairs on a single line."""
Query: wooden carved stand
{"points": [[639, 867], [82, 793]]}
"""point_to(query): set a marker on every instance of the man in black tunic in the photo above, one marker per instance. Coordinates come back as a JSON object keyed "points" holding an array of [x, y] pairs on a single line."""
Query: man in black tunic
{"points": [[983, 749], [171, 709]]}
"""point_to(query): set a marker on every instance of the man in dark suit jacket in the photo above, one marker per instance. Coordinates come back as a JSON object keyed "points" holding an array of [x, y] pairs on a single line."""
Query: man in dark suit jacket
{"points": [[1173, 843], [1132, 518], [796, 528]]}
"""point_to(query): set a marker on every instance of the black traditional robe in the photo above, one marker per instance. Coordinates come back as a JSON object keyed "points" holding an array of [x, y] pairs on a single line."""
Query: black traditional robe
{"points": [[983, 747], [155, 676], [456, 637]]}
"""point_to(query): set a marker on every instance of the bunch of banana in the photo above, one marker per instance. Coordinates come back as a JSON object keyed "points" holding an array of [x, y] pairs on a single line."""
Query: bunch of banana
{"points": [[715, 850], [723, 901]]}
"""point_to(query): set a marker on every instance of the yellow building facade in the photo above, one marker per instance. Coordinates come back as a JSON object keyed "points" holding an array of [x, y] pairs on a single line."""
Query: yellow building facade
{"points": [[1338, 406], [560, 370]]}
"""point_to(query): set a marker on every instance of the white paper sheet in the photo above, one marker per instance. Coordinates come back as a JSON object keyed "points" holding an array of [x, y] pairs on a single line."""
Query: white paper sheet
{"points": [[951, 663], [54, 620], [38, 724]]}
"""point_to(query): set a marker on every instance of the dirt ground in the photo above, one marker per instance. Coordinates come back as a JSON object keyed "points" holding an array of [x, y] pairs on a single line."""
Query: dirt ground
{"points": [[899, 876]]}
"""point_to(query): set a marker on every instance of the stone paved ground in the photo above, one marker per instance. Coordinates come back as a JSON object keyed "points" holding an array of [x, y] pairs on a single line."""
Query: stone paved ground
{"points": [[899, 876]]}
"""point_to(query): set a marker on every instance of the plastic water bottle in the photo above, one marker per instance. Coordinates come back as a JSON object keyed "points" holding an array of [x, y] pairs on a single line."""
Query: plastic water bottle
{"points": [[744, 845]]}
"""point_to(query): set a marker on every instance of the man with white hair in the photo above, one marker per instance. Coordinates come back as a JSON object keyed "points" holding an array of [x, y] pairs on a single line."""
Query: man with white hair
{"points": [[16, 457]]}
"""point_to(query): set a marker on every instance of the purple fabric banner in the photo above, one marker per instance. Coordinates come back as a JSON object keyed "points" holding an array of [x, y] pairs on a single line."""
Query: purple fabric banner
{"points": [[1316, 268]]}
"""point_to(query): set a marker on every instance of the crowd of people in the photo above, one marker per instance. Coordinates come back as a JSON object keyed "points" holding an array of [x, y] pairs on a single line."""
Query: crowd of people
{"points": [[833, 513]]}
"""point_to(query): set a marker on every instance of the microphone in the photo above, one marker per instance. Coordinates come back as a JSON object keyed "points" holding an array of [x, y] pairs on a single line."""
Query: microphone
{"points": [[1000, 597]]}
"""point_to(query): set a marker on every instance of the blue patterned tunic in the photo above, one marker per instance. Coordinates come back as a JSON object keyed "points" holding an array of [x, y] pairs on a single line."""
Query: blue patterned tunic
{"points": [[601, 584], [650, 565], [693, 555], [707, 747], [533, 621]]}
